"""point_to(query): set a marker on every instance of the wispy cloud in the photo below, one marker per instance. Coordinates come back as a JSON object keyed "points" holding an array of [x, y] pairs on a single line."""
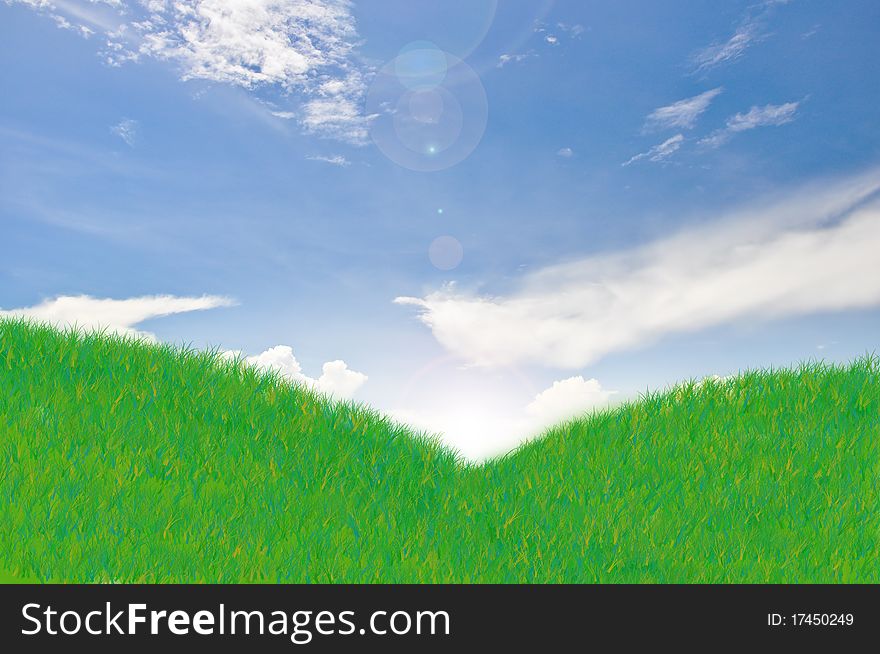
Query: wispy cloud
{"points": [[659, 152], [335, 160], [127, 130], [335, 111], [505, 59], [565, 153], [750, 30], [82, 16], [812, 31], [769, 115], [574, 30], [811, 250], [304, 48], [682, 114], [119, 316], [729, 50]]}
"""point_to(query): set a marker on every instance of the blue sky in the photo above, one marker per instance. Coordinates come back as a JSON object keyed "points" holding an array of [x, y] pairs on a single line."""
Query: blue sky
{"points": [[642, 192]]}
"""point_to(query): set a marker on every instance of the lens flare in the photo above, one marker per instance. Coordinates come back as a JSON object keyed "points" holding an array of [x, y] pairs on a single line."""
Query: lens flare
{"points": [[428, 108], [476, 412], [445, 252], [420, 65]]}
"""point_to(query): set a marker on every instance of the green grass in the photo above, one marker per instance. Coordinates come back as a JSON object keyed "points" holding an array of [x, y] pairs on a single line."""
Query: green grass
{"points": [[124, 461]]}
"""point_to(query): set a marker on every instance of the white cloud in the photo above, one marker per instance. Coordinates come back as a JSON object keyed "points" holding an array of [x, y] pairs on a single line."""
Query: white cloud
{"points": [[682, 114], [280, 359], [551, 39], [127, 130], [248, 42], [566, 399], [119, 316], [297, 45], [336, 378], [335, 160], [659, 152], [811, 250], [565, 153], [302, 47], [770, 115]]}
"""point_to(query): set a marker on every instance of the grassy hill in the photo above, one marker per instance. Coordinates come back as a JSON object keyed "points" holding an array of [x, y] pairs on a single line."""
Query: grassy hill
{"points": [[123, 461]]}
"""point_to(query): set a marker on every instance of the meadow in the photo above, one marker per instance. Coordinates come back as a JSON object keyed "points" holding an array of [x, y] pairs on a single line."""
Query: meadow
{"points": [[124, 461]]}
